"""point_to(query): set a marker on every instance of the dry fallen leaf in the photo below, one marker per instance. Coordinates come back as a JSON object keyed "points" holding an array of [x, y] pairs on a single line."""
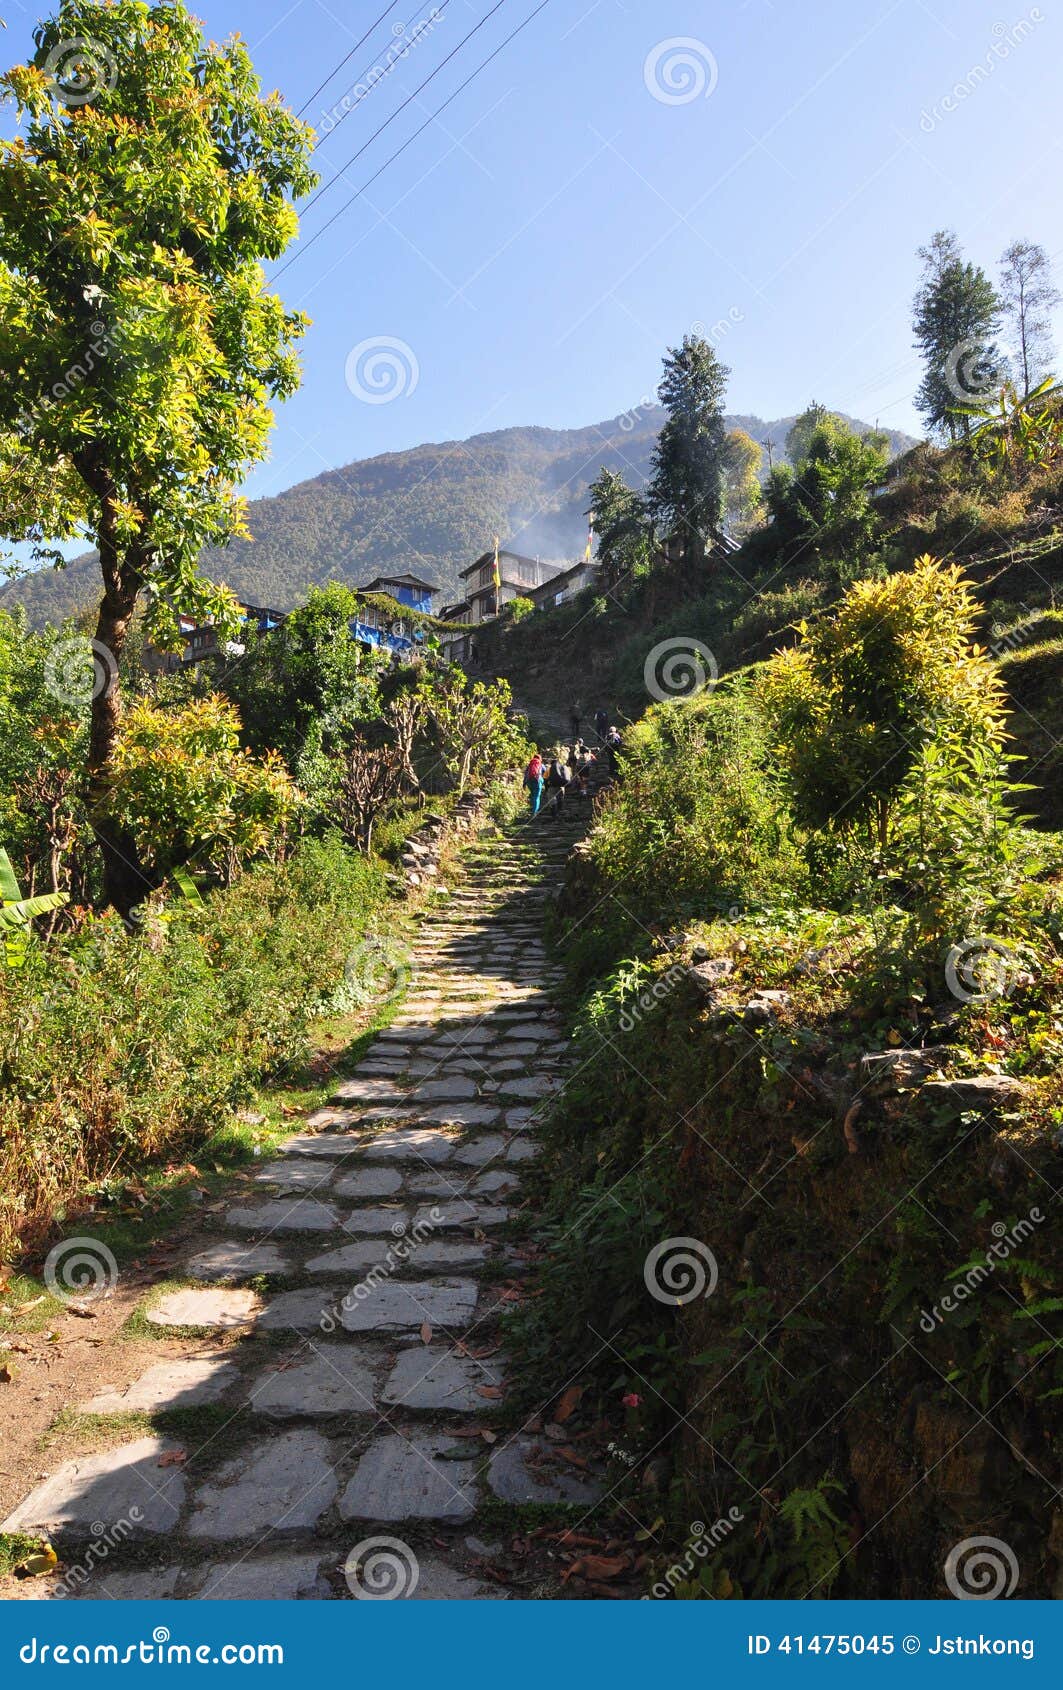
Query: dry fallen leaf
{"points": [[426, 1333], [567, 1403], [597, 1567], [36, 1566], [173, 1458], [82, 1311]]}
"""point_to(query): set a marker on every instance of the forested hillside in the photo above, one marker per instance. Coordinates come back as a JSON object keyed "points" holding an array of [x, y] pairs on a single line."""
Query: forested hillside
{"points": [[431, 509]]}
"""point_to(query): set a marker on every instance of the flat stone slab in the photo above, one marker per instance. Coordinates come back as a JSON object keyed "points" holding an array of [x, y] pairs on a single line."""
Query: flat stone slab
{"points": [[534, 1085], [280, 1484], [272, 1578], [452, 1090], [499, 1179], [308, 1310], [126, 1483], [481, 1150], [463, 1114], [401, 1478], [459, 1213], [218, 1309], [319, 1144], [368, 1182], [429, 1377], [523, 1150], [354, 1258], [328, 1379], [154, 1584], [401, 1305], [394, 1221], [519, 1120], [530, 1470], [170, 1384], [233, 1260], [368, 1089], [438, 1582], [295, 1176], [302, 1214], [410, 1144]]}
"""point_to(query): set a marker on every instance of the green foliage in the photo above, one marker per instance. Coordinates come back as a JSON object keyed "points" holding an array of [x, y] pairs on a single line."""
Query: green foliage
{"points": [[823, 500], [122, 1047], [686, 489], [519, 608], [187, 792], [854, 707], [140, 348], [621, 522], [17, 912], [956, 313], [700, 819]]}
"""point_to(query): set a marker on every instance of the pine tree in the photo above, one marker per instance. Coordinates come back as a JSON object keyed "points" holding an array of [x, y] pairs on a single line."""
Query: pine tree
{"points": [[1028, 295], [622, 525], [956, 314], [686, 489]]}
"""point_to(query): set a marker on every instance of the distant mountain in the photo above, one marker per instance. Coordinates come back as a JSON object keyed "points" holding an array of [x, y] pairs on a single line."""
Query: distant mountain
{"points": [[431, 509]]}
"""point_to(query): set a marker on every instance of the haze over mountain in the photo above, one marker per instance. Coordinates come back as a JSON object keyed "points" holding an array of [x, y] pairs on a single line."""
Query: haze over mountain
{"points": [[431, 509]]}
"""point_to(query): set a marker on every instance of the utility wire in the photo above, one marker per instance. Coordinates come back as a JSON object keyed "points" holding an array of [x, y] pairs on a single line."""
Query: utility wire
{"points": [[423, 30], [305, 107], [438, 111], [312, 201]]}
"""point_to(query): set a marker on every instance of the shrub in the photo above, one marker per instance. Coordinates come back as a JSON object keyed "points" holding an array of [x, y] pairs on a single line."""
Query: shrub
{"points": [[120, 1048]]}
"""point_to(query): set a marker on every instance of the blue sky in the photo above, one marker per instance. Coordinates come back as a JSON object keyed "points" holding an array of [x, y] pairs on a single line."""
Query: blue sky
{"points": [[536, 248]]}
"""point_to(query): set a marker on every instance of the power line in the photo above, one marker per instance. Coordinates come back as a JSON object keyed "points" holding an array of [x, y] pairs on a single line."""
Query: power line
{"points": [[343, 61], [312, 201], [422, 30], [429, 120]]}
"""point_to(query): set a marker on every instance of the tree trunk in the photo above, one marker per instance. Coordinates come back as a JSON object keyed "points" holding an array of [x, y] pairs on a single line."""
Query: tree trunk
{"points": [[125, 882]]}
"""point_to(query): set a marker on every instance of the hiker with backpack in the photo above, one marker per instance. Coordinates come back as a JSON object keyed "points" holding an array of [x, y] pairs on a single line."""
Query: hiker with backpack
{"points": [[557, 780], [601, 725], [533, 780]]}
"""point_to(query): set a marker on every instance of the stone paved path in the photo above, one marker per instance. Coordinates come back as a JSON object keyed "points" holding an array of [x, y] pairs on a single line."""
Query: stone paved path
{"points": [[344, 1325]]}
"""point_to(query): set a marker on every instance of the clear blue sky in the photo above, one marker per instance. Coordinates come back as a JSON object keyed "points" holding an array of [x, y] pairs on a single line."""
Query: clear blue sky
{"points": [[539, 246]]}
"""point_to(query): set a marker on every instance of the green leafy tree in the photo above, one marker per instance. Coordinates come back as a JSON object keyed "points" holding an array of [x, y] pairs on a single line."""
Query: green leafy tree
{"points": [[823, 499], [956, 313], [1028, 297], [743, 457], [686, 489], [301, 685], [139, 348], [622, 525], [186, 790], [854, 705]]}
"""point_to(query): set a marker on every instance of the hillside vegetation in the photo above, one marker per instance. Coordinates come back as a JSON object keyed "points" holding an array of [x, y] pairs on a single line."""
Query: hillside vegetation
{"points": [[432, 509]]}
